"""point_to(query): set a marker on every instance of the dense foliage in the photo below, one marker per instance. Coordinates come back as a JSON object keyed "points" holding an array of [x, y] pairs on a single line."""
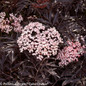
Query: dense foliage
{"points": [[43, 42]]}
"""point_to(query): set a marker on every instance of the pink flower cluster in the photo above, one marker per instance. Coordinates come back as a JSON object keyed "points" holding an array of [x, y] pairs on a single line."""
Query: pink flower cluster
{"points": [[70, 53], [4, 23], [39, 40], [11, 23], [16, 22]]}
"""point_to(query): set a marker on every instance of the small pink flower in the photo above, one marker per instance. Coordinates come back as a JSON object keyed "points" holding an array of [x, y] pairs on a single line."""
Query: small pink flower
{"points": [[70, 53], [11, 23]]}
